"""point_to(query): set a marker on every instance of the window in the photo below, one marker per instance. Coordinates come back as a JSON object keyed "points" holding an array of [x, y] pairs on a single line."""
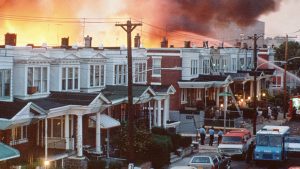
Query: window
{"points": [[56, 127], [224, 65], [242, 63], [249, 62], [38, 77], [183, 95], [5, 83], [120, 74], [140, 72], [206, 69], [194, 67], [233, 64], [217, 66], [156, 67], [19, 135], [70, 79], [199, 94], [96, 75]]}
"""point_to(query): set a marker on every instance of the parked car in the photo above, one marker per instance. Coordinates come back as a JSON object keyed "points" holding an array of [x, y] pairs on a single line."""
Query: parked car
{"points": [[292, 145], [235, 143], [210, 160], [183, 167]]}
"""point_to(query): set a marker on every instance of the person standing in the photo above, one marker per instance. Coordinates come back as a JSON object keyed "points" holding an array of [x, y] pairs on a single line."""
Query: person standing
{"points": [[250, 152], [211, 135], [202, 134], [220, 136]]}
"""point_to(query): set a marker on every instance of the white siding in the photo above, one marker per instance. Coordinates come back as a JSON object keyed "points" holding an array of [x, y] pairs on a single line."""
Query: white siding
{"points": [[55, 78], [20, 80], [84, 76]]}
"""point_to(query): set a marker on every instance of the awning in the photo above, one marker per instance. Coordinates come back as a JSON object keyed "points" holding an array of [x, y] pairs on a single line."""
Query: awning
{"points": [[106, 121], [8, 152]]}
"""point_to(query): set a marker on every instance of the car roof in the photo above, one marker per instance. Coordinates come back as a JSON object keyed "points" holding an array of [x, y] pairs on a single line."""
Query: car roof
{"points": [[206, 154], [183, 167], [235, 134]]}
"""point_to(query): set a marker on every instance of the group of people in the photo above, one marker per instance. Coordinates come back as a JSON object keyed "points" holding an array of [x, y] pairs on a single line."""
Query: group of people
{"points": [[211, 133], [272, 112]]}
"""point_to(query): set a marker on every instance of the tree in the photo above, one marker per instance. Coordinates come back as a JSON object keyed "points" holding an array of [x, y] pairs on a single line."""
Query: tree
{"points": [[293, 51]]}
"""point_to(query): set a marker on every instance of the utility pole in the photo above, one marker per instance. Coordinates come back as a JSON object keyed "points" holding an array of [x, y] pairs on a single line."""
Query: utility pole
{"points": [[284, 78], [128, 28], [255, 38]]}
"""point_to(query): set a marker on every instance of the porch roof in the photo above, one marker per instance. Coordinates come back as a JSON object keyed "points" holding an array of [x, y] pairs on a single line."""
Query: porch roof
{"points": [[121, 92], [206, 81], [106, 121], [8, 152], [9, 109], [239, 77], [60, 99], [164, 89]]}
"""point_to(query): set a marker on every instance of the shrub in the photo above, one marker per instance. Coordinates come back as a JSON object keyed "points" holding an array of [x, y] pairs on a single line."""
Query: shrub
{"points": [[160, 151], [176, 139], [115, 165], [185, 142], [96, 164], [159, 131]]}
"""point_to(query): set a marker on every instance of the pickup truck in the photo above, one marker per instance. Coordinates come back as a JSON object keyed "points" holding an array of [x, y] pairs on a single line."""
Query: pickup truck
{"points": [[235, 143]]}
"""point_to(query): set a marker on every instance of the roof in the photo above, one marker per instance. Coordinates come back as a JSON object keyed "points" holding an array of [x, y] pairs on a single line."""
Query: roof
{"points": [[120, 92], [238, 76], [9, 109], [206, 81], [267, 71], [8, 152], [106, 121], [251, 73], [160, 88], [206, 78], [274, 129], [60, 99]]}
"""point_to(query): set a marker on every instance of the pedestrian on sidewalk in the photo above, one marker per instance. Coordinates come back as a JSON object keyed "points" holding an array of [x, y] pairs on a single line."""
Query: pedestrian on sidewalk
{"points": [[202, 134], [220, 136], [211, 135], [250, 151], [269, 113]]}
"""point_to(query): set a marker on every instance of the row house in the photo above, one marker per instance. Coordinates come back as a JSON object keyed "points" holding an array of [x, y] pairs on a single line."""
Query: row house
{"points": [[200, 75], [58, 99]]}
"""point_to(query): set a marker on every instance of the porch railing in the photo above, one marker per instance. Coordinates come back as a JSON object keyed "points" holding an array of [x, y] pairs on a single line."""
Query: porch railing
{"points": [[60, 143]]}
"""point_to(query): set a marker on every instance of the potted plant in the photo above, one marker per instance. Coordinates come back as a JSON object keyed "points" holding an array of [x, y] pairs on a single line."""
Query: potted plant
{"points": [[31, 89]]}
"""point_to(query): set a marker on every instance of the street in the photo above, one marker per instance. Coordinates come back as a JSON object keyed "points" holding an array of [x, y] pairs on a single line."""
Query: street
{"points": [[241, 164]]}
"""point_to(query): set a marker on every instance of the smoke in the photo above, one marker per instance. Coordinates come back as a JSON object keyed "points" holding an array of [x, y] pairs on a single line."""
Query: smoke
{"points": [[199, 16], [193, 16]]}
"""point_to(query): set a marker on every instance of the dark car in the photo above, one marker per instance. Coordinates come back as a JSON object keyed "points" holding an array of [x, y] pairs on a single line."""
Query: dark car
{"points": [[210, 160]]}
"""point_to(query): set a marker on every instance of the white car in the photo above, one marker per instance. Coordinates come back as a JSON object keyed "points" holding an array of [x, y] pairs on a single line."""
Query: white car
{"points": [[292, 144], [183, 167]]}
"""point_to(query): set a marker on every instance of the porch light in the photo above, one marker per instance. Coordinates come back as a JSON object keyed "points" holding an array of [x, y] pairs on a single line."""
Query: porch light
{"points": [[221, 105], [46, 163], [264, 94], [249, 98], [242, 100]]}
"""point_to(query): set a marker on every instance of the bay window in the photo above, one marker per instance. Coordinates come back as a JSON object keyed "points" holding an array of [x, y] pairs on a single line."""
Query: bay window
{"points": [[5, 83], [97, 75], [120, 75], [37, 78], [69, 78], [140, 72]]}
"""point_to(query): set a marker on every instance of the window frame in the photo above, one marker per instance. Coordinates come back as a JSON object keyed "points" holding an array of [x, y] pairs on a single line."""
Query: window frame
{"points": [[140, 72], [65, 77], [5, 81], [206, 67], [15, 132], [120, 74], [156, 66], [194, 67], [39, 80]]}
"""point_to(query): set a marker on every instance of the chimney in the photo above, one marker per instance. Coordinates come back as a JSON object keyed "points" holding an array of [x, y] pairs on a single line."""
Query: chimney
{"points": [[137, 41], [171, 46], [245, 46], [65, 42], [164, 43], [87, 41], [205, 44], [187, 44], [11, 39]]}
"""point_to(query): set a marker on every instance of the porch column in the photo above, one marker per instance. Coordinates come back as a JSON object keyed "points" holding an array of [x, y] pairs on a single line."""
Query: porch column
{"points": [[251, 89], [218, 97], [67, 134], [79, 135], [225, 99], [166, 111], [150, 115], [46, 139], [258, 89], [98, 133], [154, 113], [159, 113]]}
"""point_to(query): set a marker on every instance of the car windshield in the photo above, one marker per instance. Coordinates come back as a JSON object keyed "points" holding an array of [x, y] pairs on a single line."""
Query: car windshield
{"points": [[200, 160], [231, 139], [293, 140], [269, 140]]}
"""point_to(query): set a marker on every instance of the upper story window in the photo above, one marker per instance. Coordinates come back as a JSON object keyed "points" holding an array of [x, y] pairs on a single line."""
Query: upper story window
{"points": [[5, 83], [120, 75], [140, 73], [37, 80], [70, 78], [224, 65], [97, 78], [156, 66], [234, 66], [194, 67], [217, 65], [206, 68]]}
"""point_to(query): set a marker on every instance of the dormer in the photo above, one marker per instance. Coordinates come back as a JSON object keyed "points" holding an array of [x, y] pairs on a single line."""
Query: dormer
{"points": [[65, 70], [93, 68], [31, 73]]}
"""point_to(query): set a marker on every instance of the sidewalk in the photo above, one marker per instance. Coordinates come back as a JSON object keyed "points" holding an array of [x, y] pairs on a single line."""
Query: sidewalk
{"points": [[261, 122]]}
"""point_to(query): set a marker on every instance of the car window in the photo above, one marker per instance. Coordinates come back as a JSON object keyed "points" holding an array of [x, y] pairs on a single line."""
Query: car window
{"points": [[231, 139], [200, 160]]}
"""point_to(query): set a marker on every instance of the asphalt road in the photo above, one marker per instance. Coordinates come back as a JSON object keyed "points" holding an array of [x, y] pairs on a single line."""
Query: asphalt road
{"points": [[240, 164]]}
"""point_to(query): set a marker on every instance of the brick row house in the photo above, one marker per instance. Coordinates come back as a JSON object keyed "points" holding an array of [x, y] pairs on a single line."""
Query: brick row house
{"points": [[60, 100]]}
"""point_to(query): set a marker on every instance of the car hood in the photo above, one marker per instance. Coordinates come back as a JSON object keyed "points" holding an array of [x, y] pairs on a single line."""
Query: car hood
{"points": [[237, 146], [293, 145]]}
